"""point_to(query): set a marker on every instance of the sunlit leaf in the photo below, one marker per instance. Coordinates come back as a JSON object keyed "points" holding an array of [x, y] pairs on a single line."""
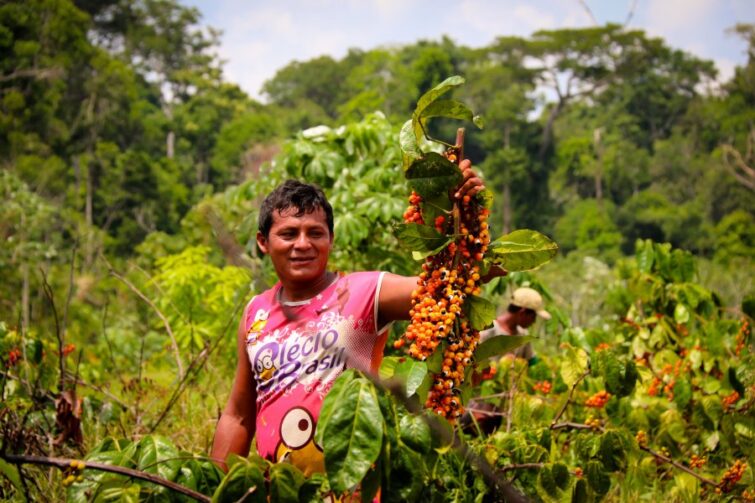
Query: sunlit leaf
{"points": [[574, 365], [451, 109], [522, 250], [429, 97], [480, 312], [157, 455], [409, 146]]}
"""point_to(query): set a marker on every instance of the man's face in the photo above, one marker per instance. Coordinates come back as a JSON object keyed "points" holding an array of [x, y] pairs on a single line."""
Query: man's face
{"points": [[298, 246], [525, 317]]}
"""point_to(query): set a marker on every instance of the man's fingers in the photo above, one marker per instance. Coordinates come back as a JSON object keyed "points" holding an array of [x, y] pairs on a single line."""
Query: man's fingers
{"points": [[470, 187], [472, 184], [495, 271]]}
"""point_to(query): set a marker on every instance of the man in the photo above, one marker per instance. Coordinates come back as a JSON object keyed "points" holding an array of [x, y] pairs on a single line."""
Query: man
{"points": [[297, 337], [525, 305]]}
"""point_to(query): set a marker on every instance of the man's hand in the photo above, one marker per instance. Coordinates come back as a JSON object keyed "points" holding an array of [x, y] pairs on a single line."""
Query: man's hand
{"points": [[495, 271], [471, 184]]}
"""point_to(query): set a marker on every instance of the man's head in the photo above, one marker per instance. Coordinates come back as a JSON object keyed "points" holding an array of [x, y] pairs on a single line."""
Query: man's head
{"points": [[304, 197], [296, 232], [526, 304]]}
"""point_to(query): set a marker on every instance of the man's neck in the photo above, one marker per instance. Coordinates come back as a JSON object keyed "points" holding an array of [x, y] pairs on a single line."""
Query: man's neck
{"points": [[507, 323], [296, 292]]}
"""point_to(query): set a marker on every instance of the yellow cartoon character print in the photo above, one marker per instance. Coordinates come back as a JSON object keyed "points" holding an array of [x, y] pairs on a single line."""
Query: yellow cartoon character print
{"points": [[297, 444], [264, 364], [260, 320]]}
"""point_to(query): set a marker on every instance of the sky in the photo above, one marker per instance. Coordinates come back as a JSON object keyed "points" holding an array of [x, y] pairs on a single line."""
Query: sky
{"points": [[261, 37]]}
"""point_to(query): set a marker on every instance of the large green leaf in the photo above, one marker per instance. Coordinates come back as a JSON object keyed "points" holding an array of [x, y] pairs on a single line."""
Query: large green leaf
{"points": [[10, 472], [429, 97], [682, 393], [580, 494], [157, 455], [415, 433], [353, 435], [451, 109], [422, 240], [597, 477], [497, 346], [285, 481], [573, 365], [406, 477], [410, 372], [480, 312], [522, 250], [199, 474], [315, 489], [244, 481], [612, 451], [409, 146], [619, 376], [333, 401]]}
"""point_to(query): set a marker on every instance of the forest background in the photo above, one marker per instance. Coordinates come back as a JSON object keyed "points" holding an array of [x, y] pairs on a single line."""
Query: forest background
{"points": [[132, 172]]}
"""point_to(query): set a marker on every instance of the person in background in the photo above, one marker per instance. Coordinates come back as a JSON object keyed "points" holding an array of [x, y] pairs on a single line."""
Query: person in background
{"points": [[525, 306]]}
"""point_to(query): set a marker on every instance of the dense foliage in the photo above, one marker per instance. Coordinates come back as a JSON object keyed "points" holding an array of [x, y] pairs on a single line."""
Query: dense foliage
{"points": [[130, 175]]}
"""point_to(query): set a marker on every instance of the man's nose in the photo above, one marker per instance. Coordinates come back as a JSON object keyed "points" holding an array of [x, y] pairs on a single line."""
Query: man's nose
{"points": [[302, 241]]}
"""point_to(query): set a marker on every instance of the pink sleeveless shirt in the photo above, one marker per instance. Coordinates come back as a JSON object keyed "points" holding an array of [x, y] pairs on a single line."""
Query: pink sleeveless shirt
{"points": [[296, 352]]}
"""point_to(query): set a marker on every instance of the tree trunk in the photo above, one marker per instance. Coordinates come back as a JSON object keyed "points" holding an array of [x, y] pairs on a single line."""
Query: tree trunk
{"points": [[170, 144], [507, 216], [88, 205], [598, 146], [25, 300], [548, 130], [599, 184]]}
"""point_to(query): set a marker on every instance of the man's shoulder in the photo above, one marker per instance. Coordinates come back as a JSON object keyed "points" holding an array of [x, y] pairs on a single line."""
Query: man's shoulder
{"points": [[264, 298], [364, 275]]}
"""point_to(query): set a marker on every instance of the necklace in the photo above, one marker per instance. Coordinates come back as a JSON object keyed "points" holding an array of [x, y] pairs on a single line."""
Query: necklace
{"points": [[297, 303]]}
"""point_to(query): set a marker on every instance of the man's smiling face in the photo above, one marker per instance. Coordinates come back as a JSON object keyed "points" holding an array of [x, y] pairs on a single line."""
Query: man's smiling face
{"points": [[298, 246]]}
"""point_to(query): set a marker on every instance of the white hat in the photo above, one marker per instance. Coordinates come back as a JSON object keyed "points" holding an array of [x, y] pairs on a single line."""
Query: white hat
{"points": [[530, 299]]}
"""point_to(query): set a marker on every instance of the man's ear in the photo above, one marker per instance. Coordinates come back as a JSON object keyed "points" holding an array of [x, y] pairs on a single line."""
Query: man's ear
{"points": [[262, 242]]}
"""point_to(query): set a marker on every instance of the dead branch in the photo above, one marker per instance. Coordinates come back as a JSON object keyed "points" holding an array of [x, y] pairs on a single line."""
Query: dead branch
{"points": [[63, 464], [173, 341], [34, 73], [737, 164]]}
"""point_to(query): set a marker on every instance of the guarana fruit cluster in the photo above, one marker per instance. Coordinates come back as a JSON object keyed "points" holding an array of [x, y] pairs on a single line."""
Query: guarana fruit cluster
{"points": [[447, 279]]}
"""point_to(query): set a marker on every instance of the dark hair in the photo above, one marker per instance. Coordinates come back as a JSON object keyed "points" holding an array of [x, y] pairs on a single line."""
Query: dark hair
{"points": [[513, 308], [305, 197]]}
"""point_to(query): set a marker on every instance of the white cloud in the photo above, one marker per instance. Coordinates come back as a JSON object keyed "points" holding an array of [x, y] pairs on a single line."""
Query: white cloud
{"points": [[493, 18], [388, 9], [668, 17], [725, 69]]}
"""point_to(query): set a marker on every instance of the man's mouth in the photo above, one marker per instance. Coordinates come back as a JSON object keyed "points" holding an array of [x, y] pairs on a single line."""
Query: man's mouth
{"points": [[302, 260]]}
